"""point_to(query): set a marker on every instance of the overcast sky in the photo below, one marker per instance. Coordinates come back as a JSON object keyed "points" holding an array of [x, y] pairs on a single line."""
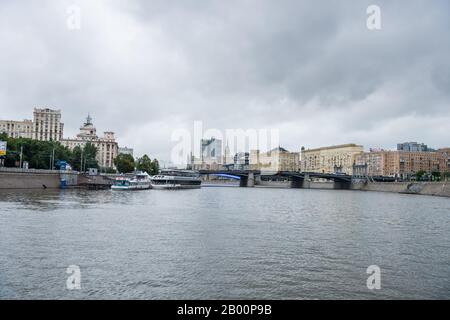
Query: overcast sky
{"points": [[313, 71]]}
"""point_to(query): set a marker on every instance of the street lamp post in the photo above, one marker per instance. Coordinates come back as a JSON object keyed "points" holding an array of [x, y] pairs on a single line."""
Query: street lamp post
{"points": [[53, 158], [81, 161], [21, 157]]}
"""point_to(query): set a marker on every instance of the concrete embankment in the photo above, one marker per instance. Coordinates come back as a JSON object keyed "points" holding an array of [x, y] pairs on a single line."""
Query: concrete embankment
{"points": [[273, 184], [39, 179], [34, 179], [441, 189], [288, 184]]}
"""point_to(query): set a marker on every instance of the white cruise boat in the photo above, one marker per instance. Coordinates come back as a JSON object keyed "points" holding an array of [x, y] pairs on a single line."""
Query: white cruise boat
{"points": [[176, 179], [140, 181]]}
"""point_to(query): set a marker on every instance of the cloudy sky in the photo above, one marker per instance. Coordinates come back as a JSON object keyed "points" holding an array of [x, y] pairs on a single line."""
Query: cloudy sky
{"points": [[313, 71]]}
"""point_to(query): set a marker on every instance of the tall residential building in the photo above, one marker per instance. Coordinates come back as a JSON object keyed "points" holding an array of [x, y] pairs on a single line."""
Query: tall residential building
{"points": [[413, 147], [374, 161], [211, 151], [241, 161], [17, 129], [277, 159], [339, 158], [107, 147], [47, 125], [402, 164], [228, 159], [210, 156], [445, 153]]}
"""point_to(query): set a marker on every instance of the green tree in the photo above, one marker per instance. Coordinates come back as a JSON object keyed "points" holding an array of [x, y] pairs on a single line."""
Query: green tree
{"points": [[108, 170], [144, 164], [88, 154], [147, 165], [124, 163], [155, 166], [75, 160], [61, 154], [436, 176], [38, 154], [420, 175]]}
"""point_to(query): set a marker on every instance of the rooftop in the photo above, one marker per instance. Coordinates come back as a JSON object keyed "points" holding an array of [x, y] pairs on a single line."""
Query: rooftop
{"points": [[348, 145]]}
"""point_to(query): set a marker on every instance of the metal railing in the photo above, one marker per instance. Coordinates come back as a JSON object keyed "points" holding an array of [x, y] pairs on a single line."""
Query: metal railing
{"points": [[22, 170]]}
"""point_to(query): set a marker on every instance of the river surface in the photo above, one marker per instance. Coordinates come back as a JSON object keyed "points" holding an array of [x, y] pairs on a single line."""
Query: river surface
{"points": [[223, 243]]}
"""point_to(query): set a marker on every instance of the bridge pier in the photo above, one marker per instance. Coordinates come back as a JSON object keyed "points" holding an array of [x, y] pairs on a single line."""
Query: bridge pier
{"points": [[257, 180], [251, 180], [306, 182], [247, 181], [297, 182]]}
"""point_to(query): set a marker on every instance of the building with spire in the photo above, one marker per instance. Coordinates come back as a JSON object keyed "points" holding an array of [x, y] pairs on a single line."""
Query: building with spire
{"points": [[107, 147], [228, 158]]}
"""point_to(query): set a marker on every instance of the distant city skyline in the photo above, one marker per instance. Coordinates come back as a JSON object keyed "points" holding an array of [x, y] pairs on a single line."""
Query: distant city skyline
{"points": [[398, 145], [317, 74]]}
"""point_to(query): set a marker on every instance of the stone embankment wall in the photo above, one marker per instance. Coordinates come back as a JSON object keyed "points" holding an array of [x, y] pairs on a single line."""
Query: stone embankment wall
{"points": [[34, 179], [287, 184], [273, 184], [424, 188], [321, 185]]}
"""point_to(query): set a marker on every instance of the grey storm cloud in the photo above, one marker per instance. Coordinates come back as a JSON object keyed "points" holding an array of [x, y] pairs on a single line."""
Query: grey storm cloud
{"points": [[311, 69]]}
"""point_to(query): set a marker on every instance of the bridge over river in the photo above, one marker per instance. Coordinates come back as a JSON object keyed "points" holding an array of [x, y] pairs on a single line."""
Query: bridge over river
{"points": [[250, 178]]}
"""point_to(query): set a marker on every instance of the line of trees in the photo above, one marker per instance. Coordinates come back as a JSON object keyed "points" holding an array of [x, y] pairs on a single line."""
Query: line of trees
{"points": [[41, 154], [47, 154], [434, 176], [125, 163]]}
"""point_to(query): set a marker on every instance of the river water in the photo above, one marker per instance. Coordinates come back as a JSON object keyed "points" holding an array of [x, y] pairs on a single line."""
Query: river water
{"points": [[223, 243]]}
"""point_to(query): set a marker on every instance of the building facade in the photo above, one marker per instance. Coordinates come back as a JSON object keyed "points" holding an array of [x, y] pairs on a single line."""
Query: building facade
{"points": [[107, 147], [17, 129], [332, 159], [47, 125], [413, 147], [278, 159], [211, 151], [210, 156], [126, 150], [445, 153], [374, 161], [228, 158], [241, 161], [403, 164]]}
